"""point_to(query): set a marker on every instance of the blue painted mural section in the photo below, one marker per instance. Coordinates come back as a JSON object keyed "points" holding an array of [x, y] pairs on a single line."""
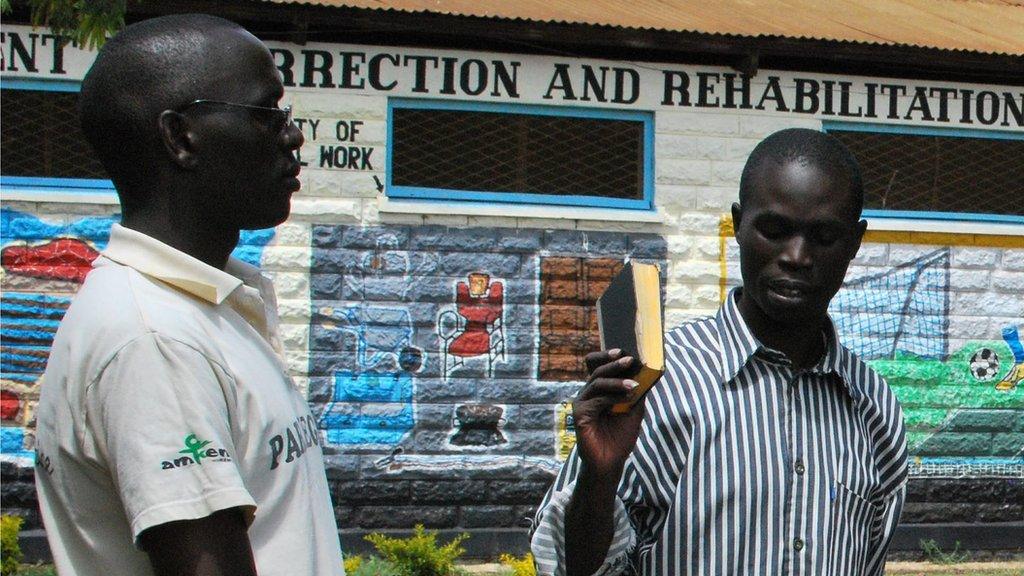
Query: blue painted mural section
{"points": [[901, 310], [1012, 338], [12, 443], [29, 320], [369, 408], [372, 403], [251, 244], [19, 226], [378, 293]]}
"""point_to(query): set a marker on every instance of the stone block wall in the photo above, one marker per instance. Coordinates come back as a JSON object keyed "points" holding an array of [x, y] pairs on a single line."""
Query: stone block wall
{"points": [[439, 344]]}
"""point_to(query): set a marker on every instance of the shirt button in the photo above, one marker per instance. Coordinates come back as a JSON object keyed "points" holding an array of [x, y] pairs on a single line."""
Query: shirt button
{"points": [[798, 544], [799, 467]]}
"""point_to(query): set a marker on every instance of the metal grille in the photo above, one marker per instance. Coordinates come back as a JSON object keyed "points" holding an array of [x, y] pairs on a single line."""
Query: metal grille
{"points": [[518, 153], [41, 136], [939, 173]]}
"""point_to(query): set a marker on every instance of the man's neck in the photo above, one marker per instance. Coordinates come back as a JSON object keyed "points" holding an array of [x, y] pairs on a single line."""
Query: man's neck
{"points": [[803, 345], [210, 246]]}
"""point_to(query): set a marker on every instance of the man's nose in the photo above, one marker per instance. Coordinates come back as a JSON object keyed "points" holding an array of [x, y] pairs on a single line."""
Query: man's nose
{"points": [[797, 252], [293, 138]]}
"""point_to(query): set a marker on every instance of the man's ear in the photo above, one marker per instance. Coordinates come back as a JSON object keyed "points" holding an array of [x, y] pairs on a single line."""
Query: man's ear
{"points": [[862, 227], [737, 214], [179, 141]]}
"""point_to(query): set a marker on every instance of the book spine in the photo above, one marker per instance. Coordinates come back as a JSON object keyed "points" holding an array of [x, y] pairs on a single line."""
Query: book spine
{"points": [[646, 379]]}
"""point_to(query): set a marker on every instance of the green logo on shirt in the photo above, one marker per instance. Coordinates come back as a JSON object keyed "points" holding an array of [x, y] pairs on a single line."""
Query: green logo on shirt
{"points": [[195, 450], [194, 446]]}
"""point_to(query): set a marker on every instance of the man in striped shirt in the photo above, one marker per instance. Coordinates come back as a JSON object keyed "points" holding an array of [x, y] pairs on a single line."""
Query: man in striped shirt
{"points": [[768, 447]]}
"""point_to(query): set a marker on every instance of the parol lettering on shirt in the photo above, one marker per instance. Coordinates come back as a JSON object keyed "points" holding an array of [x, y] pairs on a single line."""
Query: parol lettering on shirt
{"points": [[294, 441]]}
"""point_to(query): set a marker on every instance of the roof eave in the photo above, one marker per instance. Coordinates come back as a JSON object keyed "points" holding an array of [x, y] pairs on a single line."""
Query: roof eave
{"points": [[303, 22]]}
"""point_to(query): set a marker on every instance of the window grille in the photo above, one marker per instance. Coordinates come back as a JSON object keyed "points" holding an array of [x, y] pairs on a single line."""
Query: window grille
{"points": [[513, 156], [41, 136], [937, 173]]}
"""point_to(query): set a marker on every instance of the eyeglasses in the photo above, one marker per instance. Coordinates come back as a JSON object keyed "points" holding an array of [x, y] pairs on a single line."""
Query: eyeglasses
{"points": [[280, 117]]}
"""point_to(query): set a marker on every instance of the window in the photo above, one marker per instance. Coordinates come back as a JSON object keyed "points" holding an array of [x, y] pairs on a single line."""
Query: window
{"points": [[520, 154], [945, 174], [43, 146]]}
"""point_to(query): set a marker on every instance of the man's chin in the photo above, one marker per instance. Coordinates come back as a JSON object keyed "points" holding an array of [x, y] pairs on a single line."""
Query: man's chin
{"points": [[795, 315], [269, 219]]}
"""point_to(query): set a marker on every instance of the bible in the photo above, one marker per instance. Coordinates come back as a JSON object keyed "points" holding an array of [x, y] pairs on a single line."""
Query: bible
{"points": [[629, 318]]}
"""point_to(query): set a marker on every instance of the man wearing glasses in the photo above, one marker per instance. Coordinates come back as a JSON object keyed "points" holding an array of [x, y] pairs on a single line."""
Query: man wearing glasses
{"points": [[170, 438]]}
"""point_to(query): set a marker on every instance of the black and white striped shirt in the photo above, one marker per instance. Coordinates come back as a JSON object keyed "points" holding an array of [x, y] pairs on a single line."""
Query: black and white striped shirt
{"points": [[745, 465]]}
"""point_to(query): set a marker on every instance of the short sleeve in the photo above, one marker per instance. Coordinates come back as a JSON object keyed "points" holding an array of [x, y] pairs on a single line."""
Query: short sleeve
{"points": [[547, 541], [159, 415]]}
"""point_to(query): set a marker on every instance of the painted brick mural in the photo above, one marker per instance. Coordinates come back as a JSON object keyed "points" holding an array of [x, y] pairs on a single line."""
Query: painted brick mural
{"points": [[427, 358], [942, 324], [45, 260], [439, 344]]}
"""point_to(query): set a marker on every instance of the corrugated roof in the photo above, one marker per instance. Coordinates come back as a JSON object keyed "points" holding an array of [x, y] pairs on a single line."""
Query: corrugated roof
{"points": [[987, 26]]}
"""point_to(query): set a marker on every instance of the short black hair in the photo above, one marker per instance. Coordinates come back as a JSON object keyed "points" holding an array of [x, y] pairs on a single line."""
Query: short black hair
{"points": [[805, 145], [151, 66]]}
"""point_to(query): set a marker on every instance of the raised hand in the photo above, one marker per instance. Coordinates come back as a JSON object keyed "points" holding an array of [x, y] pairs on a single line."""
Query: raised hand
{"points": [[604, 439]]}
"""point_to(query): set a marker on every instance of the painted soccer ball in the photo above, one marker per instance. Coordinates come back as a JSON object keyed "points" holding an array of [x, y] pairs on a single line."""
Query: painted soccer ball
{"points": [[985, 364]]}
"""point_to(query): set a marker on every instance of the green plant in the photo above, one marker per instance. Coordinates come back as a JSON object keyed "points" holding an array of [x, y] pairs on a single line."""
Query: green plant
{"points": [[9, 549], [374, 566], [936, 555], [520, 566], [37, 570], [419, 554], [85, 22], [352, 564]]}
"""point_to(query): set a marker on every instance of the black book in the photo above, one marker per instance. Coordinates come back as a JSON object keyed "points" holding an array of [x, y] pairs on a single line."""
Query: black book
{"points": [[629, 318]]}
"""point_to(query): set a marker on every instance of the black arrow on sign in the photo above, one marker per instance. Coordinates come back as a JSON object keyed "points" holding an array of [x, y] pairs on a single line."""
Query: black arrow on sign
{"points": [[380, 187]]}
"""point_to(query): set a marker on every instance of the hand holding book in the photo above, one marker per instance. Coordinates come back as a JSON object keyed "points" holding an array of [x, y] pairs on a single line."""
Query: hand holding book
{"points": [[629, 318], [608, 411], [604, 439]]}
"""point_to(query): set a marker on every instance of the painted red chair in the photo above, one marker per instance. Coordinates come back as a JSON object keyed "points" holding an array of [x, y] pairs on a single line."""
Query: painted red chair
{"points": [[477, 329]]}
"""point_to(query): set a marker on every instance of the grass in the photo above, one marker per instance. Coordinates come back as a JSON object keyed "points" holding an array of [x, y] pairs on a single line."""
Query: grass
{"points": [[37, 570], [929, 568], [892, 568]]}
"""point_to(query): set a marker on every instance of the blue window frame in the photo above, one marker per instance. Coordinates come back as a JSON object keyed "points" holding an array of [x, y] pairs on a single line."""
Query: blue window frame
{"points": [[45, 184], [947, 173], [544, 184]]}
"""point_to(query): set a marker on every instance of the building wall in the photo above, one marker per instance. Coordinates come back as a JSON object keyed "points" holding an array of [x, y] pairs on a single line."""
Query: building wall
{"points": [[430, 418]]}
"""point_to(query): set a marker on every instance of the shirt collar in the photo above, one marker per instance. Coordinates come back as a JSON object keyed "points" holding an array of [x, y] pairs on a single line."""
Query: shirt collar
{"points": [[158, 260], [739, 345]]}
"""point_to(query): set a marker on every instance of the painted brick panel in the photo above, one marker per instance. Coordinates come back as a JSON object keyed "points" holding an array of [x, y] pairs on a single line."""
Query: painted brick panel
{"points": [[435, 411]]}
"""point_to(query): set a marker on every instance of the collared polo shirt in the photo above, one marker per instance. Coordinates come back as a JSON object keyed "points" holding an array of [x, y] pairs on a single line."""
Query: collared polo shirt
{"points": [[746, 465], [166, 397]]}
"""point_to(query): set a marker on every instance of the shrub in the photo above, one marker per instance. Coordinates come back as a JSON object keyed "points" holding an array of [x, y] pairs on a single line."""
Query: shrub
{"points": [[352, 564], [935, 555], [520, 566], [9, 549], [374, 567], [419, 555]]}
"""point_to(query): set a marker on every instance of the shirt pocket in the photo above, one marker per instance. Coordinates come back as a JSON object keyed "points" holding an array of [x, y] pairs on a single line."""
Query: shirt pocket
{"points": [[852, 515]]}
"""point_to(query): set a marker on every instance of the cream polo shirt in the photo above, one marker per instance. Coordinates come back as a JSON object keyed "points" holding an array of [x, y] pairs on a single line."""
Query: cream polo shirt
{"points": [[166, 398]]}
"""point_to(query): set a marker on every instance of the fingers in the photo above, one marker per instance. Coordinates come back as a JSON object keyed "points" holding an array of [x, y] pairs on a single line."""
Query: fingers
{"points": [[600, 395], [604, 387], [595, 359], [612, 369], [607, 385]]}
